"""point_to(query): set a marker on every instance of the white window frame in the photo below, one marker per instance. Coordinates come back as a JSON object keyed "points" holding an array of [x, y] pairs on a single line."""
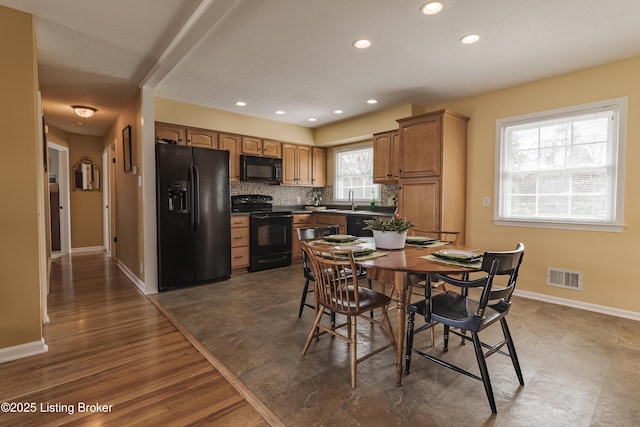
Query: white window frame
{"points": [[618, 163], [336, 177]]}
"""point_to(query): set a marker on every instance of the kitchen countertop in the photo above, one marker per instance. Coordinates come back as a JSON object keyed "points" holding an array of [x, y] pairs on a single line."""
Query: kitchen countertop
{"points": [[384, 211]]}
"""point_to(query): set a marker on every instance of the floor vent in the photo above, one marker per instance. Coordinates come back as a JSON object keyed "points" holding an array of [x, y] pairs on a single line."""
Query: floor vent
{"points": [[567, 279]]}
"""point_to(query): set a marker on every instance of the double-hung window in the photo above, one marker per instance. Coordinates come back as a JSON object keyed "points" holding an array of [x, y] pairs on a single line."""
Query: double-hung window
{"points": [[563, 168], [354, 171]]}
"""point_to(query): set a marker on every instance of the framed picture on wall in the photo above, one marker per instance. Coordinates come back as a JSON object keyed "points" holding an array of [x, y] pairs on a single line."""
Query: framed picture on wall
{"points": [[126, 148]]}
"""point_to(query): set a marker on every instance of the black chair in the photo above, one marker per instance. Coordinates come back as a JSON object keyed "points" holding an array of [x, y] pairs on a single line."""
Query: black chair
{"points": [[314, 233], [459, 310], [338, 291]]}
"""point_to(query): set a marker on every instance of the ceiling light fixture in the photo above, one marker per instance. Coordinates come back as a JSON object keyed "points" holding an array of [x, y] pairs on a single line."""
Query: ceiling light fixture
{"points": [[84, 112], [362, 43], [280, 112], [431, 8], [469, 39], [241, 103], [372, 101], [338, 111], [312, 119]]}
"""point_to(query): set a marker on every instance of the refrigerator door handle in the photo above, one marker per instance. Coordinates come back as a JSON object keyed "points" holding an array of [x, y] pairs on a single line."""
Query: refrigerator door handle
{"points": [[191, 196], [196, 197]]}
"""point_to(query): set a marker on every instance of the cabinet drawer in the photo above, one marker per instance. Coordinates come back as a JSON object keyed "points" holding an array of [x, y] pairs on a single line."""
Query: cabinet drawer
{"points": [[240, 257], [302, 219], [240, 221], [239, 237]]}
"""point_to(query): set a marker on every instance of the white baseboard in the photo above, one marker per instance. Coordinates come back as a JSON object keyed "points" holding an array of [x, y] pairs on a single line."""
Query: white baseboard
{"points": [[627, 314], [135, 279], [87, 249], [23, 350]]}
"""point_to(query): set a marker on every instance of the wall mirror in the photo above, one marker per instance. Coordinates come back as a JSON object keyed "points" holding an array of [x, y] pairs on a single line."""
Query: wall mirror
{"points": [[86, 175]]}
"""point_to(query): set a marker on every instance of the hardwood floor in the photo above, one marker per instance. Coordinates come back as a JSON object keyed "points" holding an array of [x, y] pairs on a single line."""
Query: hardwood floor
{"points": [[109, 345]]}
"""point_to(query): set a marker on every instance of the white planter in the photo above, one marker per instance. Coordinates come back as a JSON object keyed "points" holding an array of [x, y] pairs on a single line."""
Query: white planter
{"points": [[389, 239]]}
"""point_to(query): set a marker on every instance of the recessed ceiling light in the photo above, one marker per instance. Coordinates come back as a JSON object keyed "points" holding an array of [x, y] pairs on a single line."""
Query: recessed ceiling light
{"points": [[241, 103], [431, 8], [469, 39], [372, 101], [362, 43], [280, 112], [338, 111], [311, 119]]}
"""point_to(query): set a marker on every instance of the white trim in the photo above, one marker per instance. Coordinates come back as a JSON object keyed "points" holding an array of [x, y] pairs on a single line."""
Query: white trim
{"points": [[627, 314], [106, 207], [135, 279], [612, 228], [65, 197], [87, 249], [23, 350]]}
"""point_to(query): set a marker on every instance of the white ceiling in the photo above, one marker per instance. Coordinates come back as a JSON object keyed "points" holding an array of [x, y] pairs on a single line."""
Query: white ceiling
{"points": [[297, 56]]}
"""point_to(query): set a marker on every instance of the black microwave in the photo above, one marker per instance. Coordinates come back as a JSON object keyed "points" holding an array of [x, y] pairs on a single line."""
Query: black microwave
{"points": [[260, 169]]}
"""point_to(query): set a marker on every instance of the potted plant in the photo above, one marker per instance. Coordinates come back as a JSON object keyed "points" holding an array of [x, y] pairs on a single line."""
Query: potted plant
{"points": [[389, 233]]}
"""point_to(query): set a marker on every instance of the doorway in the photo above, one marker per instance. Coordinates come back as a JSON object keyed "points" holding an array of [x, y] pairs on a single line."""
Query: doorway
{"points": [[59, 199]]}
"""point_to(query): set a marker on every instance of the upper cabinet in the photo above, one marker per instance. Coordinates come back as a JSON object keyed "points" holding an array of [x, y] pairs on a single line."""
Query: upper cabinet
{"points": [[170, 134], [424, 138], [231, 143], [319, 167], [302, 165], [386, 156], [202, 138], [296, 164], [261, 147]]}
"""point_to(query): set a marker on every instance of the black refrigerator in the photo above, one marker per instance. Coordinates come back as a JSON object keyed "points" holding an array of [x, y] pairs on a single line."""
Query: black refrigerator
{"points": [[194, 218]]}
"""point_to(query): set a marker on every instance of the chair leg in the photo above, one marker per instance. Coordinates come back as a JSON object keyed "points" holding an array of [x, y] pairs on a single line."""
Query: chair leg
{"points": [[512, 350], [409, 343], [446, 338], [314, 331], [370, 287], [303, 299], [352, 328], [484, 372]]}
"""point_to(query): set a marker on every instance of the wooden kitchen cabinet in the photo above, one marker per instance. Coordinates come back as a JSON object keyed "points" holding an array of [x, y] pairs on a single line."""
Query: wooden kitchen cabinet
{"points": [[171, 134], [231, 143], [261, 147], [319, 167], [433, 165], [428, 140], [299, 221], [322, 219], [386, 156], [296, 164], [202, 138], [239, 241]]}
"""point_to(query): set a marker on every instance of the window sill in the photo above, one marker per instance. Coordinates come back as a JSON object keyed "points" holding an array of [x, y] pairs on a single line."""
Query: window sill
{"points": [[610, 228]]}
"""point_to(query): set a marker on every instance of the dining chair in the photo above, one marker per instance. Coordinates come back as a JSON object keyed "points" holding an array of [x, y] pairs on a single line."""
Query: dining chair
{"points": [[314, 233], [459, 310], [338, 291], [443, 236]]}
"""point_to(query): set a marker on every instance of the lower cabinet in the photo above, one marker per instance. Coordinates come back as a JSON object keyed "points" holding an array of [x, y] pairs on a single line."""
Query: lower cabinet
{"points": [[239, 241], [299, 221]]}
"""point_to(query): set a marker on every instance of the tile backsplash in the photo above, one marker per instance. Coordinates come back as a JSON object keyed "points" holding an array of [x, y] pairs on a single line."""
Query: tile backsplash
{"points": [[288, 196]]}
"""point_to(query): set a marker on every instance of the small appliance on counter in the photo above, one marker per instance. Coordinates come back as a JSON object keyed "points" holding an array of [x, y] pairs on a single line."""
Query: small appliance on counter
{"points": [[269, 231]]}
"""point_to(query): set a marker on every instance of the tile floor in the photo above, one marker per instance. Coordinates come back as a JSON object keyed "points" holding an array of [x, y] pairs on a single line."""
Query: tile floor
{"points": [[580, 368]]}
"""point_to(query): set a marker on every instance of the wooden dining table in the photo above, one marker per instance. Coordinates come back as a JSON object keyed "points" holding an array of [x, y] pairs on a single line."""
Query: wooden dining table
{"points": [[395, 268]]}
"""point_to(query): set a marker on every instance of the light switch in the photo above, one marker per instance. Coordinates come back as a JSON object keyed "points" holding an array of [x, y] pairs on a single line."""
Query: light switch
{"points": [[486, 201]]}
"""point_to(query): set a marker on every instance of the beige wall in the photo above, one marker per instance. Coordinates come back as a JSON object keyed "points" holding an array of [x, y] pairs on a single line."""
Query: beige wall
{"points": [[208, 118], [129, 248], [608, 260], [20, 318], [86, 206]]}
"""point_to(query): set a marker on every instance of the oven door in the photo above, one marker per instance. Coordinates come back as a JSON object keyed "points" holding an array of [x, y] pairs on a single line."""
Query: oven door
{"points": [[270, 240]]}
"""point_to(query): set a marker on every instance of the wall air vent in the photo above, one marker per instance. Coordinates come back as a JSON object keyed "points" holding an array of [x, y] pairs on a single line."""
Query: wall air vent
{"points": [[567, 279]]}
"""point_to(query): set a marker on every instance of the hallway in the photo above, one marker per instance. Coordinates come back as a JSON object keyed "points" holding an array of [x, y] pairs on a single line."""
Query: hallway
{"points": [[109, 345]]}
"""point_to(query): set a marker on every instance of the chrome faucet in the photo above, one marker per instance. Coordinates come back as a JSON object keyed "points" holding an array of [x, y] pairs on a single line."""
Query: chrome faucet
{"points": [[352, 199]]}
